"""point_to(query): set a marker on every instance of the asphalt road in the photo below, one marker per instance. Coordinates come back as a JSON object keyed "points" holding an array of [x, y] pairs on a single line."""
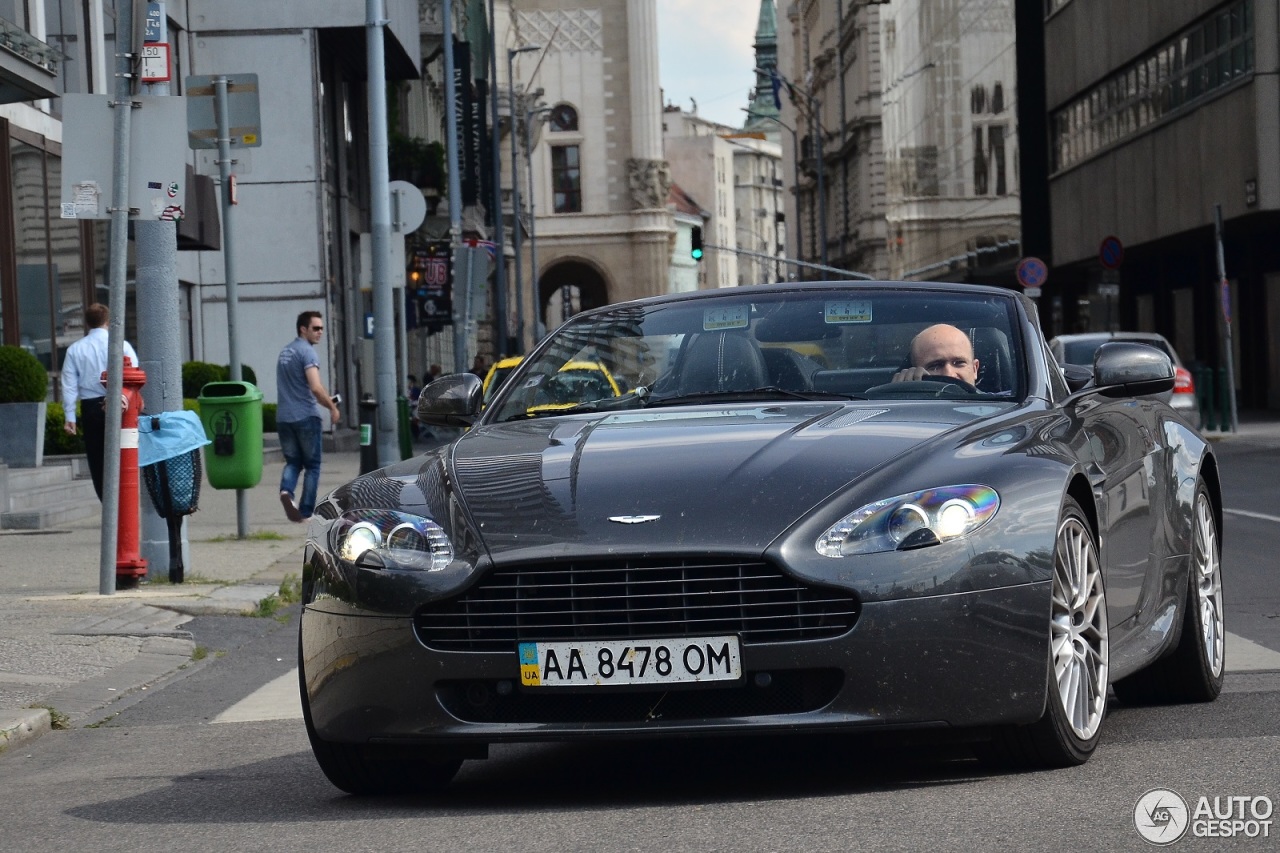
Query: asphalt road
{"points": [[200, 765]]}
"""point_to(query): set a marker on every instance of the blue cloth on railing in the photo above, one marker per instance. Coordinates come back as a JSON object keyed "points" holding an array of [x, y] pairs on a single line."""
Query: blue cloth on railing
{"points": [[167, 435]]}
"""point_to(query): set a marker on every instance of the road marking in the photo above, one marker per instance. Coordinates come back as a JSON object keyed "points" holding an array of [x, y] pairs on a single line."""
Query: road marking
{"points": [[1248, 514], [1247, 656], [277, 700]]}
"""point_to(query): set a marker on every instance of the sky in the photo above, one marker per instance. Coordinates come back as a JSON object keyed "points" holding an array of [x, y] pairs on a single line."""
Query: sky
{"points": [[706, 51]]}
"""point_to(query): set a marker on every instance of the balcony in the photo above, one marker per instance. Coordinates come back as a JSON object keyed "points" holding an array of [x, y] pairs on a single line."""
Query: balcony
{"points": [[28, 66]]}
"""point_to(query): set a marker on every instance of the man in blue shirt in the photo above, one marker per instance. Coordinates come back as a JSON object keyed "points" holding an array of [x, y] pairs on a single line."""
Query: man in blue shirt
{"points": [[300, 399], [82, 369]]}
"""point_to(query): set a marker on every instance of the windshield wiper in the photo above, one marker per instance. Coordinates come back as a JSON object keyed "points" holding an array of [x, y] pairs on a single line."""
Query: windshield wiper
{"points": [[632, 399]]}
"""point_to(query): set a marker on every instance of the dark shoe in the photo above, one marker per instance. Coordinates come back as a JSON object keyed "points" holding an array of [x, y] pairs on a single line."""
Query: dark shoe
{"points": [[289, 509]]}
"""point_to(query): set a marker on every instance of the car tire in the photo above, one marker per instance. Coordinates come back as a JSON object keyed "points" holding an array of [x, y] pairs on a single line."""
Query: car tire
{"points": [[363, 770], [1079, 659], [1195, 669]]}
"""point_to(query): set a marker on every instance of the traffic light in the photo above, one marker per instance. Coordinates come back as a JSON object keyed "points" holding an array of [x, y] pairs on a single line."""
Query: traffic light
{"points": [[696, 243]]}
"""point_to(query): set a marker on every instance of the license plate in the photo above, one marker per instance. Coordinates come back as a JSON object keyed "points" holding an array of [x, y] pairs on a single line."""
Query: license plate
{"points": [[607, 663]]}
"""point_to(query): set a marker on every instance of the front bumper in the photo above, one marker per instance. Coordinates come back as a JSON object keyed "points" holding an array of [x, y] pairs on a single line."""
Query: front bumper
{"points": [[967, 659]]}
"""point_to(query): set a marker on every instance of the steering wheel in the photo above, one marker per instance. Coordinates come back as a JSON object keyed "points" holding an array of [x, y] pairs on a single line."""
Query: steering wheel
{"points": [[948, 386]]}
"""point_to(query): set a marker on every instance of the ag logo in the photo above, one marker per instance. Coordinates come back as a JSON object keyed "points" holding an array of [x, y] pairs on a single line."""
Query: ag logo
{"points": [[1161, 816]]}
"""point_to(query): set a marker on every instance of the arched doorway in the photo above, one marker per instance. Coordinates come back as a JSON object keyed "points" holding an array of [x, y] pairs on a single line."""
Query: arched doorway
{"points": [[572, 285]]}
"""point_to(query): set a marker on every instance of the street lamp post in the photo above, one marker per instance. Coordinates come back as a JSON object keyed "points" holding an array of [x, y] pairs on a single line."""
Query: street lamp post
{"points": [[515, 187], [815, 130], [795, 162], [533, 215]]}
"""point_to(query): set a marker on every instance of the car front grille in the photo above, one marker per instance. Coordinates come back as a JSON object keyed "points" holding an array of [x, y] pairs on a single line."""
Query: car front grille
{"points": [[607, 600]]}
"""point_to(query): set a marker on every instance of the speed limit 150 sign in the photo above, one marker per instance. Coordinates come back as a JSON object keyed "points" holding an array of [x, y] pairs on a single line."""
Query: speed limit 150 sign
{"points": [[155, 63]]}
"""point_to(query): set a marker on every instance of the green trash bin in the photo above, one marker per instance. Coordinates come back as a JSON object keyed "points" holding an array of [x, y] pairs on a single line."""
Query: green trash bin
{"points": [[232, 417]]}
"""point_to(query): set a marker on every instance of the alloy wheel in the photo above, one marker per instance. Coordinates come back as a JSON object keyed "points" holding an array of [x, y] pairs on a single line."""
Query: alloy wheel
{"points": [[1207, 576], [1079, 644]]}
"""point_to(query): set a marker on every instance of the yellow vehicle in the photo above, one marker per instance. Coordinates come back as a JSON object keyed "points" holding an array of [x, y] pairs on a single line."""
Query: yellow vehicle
{"points": [[500, 370], [577, 382]]}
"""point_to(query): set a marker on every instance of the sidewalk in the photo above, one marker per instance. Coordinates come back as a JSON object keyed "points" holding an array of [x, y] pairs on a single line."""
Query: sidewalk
{"points": [[65, 646]]}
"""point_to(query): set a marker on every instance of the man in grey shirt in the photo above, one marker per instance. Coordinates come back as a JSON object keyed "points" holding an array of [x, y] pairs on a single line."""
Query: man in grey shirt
{"points": [[300, 398]]}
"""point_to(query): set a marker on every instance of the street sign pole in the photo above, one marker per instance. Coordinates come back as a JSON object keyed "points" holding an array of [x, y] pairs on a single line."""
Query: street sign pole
{"points": [[229, 262], [159, 341], [1224, 297], [384, 338]]}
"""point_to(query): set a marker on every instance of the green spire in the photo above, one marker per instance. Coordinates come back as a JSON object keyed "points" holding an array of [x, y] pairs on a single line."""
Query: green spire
{"points": [[762, 106], [767, 27]]}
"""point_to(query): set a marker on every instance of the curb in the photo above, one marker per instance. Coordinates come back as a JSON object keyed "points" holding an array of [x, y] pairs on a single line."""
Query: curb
{"points": [[22, 726]]}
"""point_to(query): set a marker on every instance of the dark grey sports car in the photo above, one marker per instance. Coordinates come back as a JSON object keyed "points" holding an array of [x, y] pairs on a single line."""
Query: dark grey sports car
{"points": [[810, 507]]}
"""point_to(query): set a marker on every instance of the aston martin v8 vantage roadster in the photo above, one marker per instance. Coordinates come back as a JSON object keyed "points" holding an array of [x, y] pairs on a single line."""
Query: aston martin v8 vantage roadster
{"points": [[822, 507]]}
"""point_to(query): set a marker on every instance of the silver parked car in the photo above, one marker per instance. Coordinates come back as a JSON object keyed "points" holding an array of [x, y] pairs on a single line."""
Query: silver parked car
{"points": [[1080, 349]]}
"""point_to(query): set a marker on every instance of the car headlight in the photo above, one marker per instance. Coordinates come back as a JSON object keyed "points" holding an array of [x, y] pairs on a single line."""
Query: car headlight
{"points": [[397, 540], [910, 521]]}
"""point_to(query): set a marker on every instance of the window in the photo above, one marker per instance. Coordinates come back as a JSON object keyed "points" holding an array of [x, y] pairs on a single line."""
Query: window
{"points": [[563, 118], [566, 179], [1196, 63]]}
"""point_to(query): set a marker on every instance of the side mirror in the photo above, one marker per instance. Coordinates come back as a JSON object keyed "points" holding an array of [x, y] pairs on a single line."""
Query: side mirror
{"points": [[1076, 376], [451, 401], [1122, 369]]}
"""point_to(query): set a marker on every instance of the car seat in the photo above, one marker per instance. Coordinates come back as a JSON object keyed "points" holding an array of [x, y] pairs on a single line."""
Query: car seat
{"points": [[722, 361]]}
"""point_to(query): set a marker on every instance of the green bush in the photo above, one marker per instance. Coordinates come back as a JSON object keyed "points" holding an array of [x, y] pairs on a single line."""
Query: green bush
{"points": [[246, 374], [22, 376], [191, 404], [197, 374], [56, 441], [269, 417]]}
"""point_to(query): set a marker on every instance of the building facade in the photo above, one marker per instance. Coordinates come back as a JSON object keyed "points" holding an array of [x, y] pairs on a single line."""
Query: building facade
{"points": [[597, 179], [952, 197], [302, 195], [829, 59], [1151, 130]]}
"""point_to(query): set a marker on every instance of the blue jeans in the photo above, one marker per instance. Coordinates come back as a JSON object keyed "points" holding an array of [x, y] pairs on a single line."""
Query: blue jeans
{"points": [[300, 441]]}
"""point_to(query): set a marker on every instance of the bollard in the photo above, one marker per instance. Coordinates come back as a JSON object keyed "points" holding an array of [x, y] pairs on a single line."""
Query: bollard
{"points": [[368, 419], [1224, 400], [130, 566], [1209, 404], [403, 427]]}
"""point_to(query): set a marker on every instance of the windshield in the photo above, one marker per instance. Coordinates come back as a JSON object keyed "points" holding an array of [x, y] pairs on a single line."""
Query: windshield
{"points": [[842, 343]]}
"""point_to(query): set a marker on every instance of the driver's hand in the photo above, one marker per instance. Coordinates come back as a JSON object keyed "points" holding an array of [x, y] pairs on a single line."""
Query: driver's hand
{"points": [[909, 374]]}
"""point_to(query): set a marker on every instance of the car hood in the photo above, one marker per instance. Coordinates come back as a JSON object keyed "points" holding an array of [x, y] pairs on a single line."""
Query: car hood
{"points": [[728, 479]]}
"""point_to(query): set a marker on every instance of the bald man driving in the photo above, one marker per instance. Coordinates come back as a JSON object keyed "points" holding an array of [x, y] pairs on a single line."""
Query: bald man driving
{"points": [[941, 350]]}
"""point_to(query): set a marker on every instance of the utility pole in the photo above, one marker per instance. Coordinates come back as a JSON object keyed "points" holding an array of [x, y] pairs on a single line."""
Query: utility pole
{"points": [[502, 332], [123, 105], [458, 295], [159, 343]]}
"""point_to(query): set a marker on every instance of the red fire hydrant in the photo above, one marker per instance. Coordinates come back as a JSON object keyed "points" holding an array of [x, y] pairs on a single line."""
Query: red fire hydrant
{"points": [[130, 566]]}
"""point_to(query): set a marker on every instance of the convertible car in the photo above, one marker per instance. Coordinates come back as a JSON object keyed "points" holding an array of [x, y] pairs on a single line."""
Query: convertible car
{"points": [[766, 527]]}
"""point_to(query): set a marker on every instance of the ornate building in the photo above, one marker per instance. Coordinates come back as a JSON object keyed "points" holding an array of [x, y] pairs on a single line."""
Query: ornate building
{"points": [[598, 179]]}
